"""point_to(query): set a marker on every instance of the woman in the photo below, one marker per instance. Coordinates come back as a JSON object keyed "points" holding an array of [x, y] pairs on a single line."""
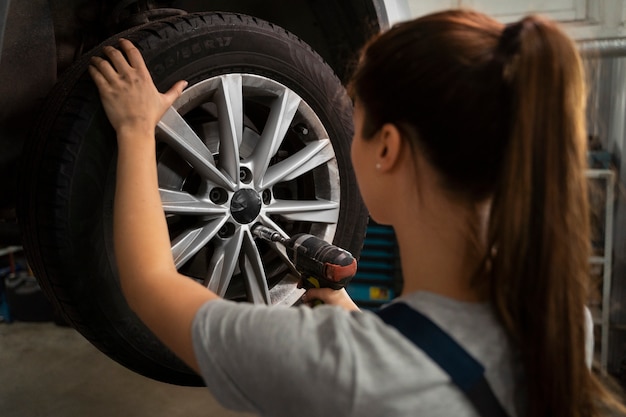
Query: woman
{"points": [[470, 141]]}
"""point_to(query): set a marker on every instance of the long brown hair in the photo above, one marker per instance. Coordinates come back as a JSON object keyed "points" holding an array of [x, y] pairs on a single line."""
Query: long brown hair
{"points": [[499, 111]]}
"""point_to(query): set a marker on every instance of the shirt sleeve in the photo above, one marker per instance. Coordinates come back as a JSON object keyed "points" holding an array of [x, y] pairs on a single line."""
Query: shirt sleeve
{"points": [[275, 360]]}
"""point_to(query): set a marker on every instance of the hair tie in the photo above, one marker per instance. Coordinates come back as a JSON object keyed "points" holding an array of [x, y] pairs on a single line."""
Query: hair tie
{"points": [[510, 39], [508, 47]]}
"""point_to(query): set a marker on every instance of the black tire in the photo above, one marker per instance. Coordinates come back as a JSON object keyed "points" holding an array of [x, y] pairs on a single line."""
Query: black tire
{"points": [[68, 175]]}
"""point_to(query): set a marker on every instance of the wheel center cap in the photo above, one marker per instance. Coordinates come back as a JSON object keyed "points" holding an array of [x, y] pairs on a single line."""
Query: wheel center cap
{"points": [[245, 205]]}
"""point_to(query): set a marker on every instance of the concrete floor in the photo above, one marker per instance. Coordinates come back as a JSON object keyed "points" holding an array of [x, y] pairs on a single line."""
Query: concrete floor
{"points": [[52, 371]]}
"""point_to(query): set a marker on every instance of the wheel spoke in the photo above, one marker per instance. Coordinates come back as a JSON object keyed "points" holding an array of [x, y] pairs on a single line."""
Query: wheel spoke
{"points": [[317, 211], [178, 202], [251, 265], [310, 157], [281, 114], [190, 242], [174, 130], [278, 248], [223, 263], [229, 102]]}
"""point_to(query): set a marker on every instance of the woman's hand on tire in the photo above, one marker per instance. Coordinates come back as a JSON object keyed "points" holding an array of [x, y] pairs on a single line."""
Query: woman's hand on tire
{"points": [[129, 96]]}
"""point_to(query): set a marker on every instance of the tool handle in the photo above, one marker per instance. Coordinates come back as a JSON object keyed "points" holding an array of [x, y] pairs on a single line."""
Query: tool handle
{"points": [[321, 264]]}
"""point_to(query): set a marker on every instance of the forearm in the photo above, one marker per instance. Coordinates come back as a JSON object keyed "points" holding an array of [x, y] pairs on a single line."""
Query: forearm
{"points": [[142, 245], [141, 238], [162, 298]]}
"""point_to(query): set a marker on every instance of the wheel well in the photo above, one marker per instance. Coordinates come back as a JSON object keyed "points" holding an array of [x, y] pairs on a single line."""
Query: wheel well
{"points": [[334, 29]]}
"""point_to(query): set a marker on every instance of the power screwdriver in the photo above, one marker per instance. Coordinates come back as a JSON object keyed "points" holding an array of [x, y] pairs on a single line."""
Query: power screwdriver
{"points": [[320, 264]]}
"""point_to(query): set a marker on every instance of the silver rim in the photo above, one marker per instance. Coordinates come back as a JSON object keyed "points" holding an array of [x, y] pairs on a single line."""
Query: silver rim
{"points": [[237, 150]]}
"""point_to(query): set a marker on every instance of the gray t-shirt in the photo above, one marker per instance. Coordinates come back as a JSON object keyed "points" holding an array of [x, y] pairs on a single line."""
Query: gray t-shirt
{"points": [[282, 361]]}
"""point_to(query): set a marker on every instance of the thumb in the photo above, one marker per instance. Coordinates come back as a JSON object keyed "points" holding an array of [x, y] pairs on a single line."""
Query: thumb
{"points": [[173, 93]]}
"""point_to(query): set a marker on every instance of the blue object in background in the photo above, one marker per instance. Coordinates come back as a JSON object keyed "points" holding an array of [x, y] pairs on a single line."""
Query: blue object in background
{"points": [[378, 279], [5, 312], [599, 159]]}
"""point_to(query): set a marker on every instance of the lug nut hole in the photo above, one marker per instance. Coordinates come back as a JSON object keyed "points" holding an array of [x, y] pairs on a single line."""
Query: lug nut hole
{"points": [[218, 195], [301, 129], [266, 196], [226, 231]]}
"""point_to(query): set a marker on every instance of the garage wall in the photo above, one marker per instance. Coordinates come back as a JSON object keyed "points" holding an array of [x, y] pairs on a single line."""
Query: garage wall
{"points": [[564, 10], [584, 19]]}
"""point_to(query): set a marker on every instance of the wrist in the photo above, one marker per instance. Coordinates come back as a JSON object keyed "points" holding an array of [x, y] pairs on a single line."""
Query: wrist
{"points": [[134, 130], [135, 137]]}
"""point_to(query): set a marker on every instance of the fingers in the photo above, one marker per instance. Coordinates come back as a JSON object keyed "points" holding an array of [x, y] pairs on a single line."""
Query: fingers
{"points": [[122, 69], [97, 76], [105, 71], [322, 294], [134, 56], [329, 296], [103, 68], [118, 60], [127, 90], [119, 64], [173, 93]]}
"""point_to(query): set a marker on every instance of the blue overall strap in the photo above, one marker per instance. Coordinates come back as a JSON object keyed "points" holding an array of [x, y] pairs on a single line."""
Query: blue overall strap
{"points": [[465, 371]]}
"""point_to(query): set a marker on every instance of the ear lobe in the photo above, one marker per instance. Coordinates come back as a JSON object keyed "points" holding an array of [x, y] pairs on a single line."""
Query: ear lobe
{"points": [[391, 149]]}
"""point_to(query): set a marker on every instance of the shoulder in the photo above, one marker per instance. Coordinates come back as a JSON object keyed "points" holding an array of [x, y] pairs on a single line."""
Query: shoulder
{"points": [[477, 329], [474, 325]]}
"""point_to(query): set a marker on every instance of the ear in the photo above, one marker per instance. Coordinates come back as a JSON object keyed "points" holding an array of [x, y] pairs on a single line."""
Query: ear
{"points": [[390, 147]]}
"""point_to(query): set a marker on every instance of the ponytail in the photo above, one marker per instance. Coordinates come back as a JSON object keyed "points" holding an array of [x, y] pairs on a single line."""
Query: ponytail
{"points": [[539, 226]]}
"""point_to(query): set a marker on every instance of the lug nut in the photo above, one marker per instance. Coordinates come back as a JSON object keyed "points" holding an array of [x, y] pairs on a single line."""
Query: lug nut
{"points": [[245, 175]]}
